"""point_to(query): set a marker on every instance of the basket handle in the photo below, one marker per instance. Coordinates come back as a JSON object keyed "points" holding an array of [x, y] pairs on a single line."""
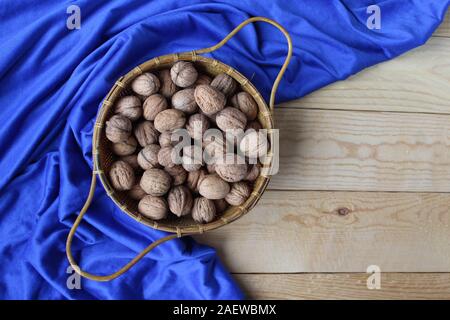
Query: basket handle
{"points": [[286, 61], [122, 270]]}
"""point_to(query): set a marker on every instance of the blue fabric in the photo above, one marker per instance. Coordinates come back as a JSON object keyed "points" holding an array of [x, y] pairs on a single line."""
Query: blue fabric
{"points": [[52, 81]]}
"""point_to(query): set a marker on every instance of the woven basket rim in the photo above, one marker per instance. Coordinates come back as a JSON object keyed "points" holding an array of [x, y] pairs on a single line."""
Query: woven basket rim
{"points": [[234, 212]]}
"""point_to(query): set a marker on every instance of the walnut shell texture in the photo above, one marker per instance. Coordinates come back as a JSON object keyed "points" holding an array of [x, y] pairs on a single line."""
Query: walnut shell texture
{"points": [[166, 156], [209, 99], [194, 179], [254, 144], [184, 100], [152, 207], [192, 159], [118, 128], [169, 120], [231, 172], [178, 174], [126, 147], [202, 79], [180, 201], [213, 187], [121, 176], [252, 173], [245, 102], [255, 125], [239, 193], [155, 182], [148, 157], [203, 210], [183, 74], [130, 107], [197, 125], [146, 84], [221, 205], [136, 192], [132, 161], [231, 119], [153, 105], [146, 133], [224, 83], [168, 87]]}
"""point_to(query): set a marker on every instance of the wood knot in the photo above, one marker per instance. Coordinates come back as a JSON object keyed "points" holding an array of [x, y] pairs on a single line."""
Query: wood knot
{"points": [[343, 211]]}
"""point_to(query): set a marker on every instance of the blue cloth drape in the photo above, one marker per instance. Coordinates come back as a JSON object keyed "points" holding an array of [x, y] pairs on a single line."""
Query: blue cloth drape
{"points": [[53, 79]]}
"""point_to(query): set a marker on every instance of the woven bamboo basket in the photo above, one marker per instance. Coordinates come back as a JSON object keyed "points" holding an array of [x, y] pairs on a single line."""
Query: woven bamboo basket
{"points": [[103, 156]]}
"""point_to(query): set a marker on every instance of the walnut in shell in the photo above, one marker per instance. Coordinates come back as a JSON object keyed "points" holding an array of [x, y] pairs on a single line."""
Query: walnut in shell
{"points": [[118, 128], [224, 83], [166, 156], [180, 201], [221, 205], [244, 102], [146, 84], [153, 105], [209, 99], [203, 210], [252, 173], [155, 182], [148, 157], [136, 192], [152, 207], [168, 88], [132, 161], [126, 147], [146, 133], [192, 158], [255, 125], [121, 176], [183, 74], [184, 100], [202, 79], [239, 193], [165, 139], [254, 144], [169, 120], [178, 174], [231, 119], [130, 107], [194, 179], [231, 172], [197, 125], [213, 187]]}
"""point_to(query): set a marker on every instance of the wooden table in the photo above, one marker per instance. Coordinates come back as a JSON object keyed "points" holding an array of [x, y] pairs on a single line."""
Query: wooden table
{"points": [[364, 180]]}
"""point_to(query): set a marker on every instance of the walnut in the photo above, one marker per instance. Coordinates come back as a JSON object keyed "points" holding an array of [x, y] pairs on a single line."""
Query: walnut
{"points": [[231, 171], [213, 187], [239, 193], [166, 156], [155, 182], [252, 173], [148, 157], [231, 119], [126, 147], [202, 79], [254, 144], [136, 192], [178, 174], [184, 100], [132, 161], [221, 205], [194, 179], [168, 88], [118, 128], [146, 133], [255, 125], [197, 125], [153, 105], [165, 139], [180, 201], [130, 107], [121, 175], [211, 168], [152, 207], [146, 84], [169, 120], [244, 102], [203, 210], [192, 158], [209, 99], [183, 74], [215, 146], [224, 83]]}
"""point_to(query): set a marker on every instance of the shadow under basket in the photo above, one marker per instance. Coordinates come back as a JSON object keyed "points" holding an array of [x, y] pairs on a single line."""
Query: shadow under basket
{"points": [[103, 156]]}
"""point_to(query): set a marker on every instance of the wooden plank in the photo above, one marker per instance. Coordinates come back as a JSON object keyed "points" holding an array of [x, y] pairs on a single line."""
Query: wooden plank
{"points": [[345, 286], [417, 81], [365, 151], [338, 232], [444, 28]]}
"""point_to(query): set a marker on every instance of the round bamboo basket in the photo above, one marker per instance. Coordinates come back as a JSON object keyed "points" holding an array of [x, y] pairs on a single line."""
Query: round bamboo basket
{"points": [[103, 156]]}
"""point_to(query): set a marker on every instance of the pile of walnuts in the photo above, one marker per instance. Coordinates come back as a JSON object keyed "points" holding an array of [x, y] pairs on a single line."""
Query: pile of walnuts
{"points": [[141, 134]]}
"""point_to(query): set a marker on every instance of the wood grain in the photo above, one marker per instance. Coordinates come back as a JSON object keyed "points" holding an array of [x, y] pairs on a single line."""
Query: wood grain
{"points": [[365, 151], [444, 28], [345, 286], [338, 232], [417, 81]]}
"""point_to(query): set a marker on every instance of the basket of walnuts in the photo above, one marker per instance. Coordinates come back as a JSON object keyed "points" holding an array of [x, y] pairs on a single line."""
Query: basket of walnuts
{"points": [[180, 144]]}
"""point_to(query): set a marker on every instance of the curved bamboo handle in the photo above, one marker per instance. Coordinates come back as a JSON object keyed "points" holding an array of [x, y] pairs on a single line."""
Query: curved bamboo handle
{"points": [[124, 268], [286, 61]]}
